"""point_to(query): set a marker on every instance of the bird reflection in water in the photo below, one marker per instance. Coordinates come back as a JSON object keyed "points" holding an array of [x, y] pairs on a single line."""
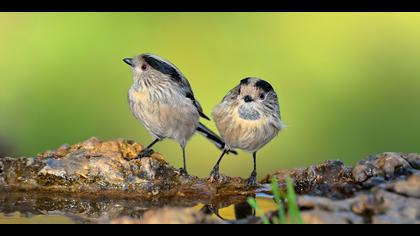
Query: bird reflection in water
{"points": [[242, 211]]}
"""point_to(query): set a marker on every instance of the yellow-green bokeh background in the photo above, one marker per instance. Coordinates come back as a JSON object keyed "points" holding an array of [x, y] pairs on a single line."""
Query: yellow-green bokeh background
{"points": [[348, 83]]}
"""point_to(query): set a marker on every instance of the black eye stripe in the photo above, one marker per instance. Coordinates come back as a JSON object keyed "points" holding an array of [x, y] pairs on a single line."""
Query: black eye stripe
{"points": [[245, 81], [264, 85], [163, 67]]}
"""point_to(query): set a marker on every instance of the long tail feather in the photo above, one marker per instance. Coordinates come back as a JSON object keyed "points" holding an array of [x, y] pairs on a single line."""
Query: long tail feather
{"points": [[214, 138]]}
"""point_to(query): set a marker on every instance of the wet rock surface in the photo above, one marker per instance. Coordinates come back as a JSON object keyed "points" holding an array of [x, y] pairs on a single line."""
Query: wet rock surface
{"points": [[110, 168], [329, 179], [105, 182]]}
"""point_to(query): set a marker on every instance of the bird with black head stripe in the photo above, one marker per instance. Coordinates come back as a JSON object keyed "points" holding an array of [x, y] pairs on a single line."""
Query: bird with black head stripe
{"points": [[248, 118], [161, 98]]}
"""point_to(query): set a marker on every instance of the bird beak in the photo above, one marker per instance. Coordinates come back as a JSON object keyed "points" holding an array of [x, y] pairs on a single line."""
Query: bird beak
{"points": [[129, 61], [248, 98]]}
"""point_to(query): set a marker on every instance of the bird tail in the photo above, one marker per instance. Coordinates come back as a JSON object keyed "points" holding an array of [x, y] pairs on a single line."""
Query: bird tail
{"points": [[214, 138]]}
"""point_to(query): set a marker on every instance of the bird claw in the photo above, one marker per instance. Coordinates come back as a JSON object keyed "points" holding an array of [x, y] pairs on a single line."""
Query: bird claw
{"points": [[252, 180], [145, 153], [183, 172], [215, 175]]}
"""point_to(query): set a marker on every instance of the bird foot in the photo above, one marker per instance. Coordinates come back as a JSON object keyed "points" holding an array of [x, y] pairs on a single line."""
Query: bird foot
{"points": [[145, 153], [252, 180], [215, 175], [183, 172]]}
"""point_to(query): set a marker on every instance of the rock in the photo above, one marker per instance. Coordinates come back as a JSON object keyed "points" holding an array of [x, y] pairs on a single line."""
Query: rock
{"points": [[393, 208], [335, 180], [380, 189], [321, 210], [413, 159], [388, 165], [409, 187], [126, 221], [373, 203], [376, 206], [323, 217], [91, 166], [110, 167], [331, 178], [171, 215]]}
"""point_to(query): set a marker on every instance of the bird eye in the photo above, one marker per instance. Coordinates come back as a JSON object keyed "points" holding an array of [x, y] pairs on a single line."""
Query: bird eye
{"points": [[144, 67], [262, 96]]}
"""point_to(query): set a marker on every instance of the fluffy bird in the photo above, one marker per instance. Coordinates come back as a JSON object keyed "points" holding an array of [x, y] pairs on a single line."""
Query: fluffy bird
{"points": [[161, 98], [247, 118]]}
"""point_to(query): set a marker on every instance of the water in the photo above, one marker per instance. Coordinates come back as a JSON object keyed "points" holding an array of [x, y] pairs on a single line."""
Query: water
{"points": [[18, 209], [21, 218]]}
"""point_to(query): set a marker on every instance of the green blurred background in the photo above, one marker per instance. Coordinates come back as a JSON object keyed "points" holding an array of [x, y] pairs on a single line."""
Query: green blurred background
{"points": [[348, 83]]}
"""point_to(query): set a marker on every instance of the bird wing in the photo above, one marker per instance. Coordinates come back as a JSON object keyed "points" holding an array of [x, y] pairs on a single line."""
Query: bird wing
{"points": [[197, 105], [186, 87], [175, 75]]}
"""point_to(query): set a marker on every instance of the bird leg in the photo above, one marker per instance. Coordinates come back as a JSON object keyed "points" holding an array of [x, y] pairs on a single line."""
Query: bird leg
{"points": [[148, 151], [252, 181], [215, 174], [184, 169]]}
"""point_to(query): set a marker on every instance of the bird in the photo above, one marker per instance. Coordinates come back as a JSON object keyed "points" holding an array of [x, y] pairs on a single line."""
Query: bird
{"points": [[247, 118], [161, 98]]}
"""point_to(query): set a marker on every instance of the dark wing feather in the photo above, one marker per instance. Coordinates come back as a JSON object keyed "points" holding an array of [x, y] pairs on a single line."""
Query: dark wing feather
{"points": [[197, 105], [175, 74], [214, 138]]}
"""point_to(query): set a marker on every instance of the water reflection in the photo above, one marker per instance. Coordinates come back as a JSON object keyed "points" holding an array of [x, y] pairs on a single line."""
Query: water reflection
{"points": [[240, 210], [243, 210], [18, 218], [27, 208]]}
